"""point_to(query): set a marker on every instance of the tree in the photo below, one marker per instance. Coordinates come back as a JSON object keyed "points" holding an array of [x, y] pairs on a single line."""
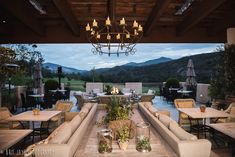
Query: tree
{"points": [[23, 55]]}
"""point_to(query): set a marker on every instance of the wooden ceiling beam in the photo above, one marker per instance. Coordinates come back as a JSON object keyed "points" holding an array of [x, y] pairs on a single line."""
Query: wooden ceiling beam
{"points": [[67, 13], [158, 9], [24, 13], [198, 13]]}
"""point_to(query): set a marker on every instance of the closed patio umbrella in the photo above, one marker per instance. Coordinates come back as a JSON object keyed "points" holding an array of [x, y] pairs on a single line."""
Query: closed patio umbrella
{"points": [[191, 80], [38, 78]]}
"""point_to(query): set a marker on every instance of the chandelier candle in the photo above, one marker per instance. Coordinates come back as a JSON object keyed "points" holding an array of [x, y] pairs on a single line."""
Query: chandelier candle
{"points": [[106, 40]]}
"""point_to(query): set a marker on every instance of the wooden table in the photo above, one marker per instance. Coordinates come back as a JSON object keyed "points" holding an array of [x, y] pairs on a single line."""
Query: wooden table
{"points": [[28, 116], [89, 144], [8, 138], [195, 113], [227, 129]]}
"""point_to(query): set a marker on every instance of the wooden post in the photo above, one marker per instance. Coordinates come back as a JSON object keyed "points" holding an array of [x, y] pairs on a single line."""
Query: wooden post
{"points": [[231, 36]]}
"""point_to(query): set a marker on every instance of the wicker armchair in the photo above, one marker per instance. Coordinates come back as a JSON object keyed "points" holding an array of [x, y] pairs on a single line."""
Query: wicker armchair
{"points": [[64, 106], [147, 98], [4, 124], [229, 110], [184, 103]]}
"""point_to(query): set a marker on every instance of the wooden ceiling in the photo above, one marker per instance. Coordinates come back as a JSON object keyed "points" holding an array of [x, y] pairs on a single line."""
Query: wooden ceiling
{"points": [[205, 21]]}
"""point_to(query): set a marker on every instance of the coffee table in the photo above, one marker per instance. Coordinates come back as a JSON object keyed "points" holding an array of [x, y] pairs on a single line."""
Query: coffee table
{"points": [[8, 138], [28, 116], [196, 114]]}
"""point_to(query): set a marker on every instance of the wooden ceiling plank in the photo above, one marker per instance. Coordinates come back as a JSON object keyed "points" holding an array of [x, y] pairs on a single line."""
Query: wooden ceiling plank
{"points": [[24, 13], [66, 11], [199, 13], [158, 9]]}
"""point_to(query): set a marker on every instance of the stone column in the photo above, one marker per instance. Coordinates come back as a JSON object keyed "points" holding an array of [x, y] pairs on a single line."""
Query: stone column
{"points": [[231, 36]]}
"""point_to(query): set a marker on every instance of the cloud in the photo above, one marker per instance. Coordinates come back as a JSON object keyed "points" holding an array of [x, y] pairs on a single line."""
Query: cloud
{"points": [[80, 56]]}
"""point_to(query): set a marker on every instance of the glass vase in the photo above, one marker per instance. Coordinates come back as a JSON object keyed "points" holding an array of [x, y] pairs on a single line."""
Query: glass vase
{"points": [[143, 137], [105, 141]]}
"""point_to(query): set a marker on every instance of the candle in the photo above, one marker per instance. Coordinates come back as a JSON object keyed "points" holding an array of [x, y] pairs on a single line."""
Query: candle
{"points": [[135, 32], [128, 36], [135, 24], [118, 36], [109, 37], [88, 28], [95, 24], [140, 28], [108, 22], [98, 36], [92, 32], [122, 21]]}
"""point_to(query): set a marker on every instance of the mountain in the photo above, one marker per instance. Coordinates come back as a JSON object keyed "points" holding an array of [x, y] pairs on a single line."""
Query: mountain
{"points": [[204, 65], [53, 67], [149, 62]]}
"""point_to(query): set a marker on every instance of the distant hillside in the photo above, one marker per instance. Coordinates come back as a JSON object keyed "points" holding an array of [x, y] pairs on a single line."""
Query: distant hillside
{"points": [[53, 67], [204, 64], [149, 62]]}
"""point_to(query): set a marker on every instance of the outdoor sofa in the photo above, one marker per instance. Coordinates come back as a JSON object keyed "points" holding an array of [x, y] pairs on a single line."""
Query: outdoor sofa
{"points": [[182, 142], [64, 141]]}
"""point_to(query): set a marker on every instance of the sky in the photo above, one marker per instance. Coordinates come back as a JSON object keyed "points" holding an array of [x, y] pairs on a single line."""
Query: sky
{"points": [[79, 56]]}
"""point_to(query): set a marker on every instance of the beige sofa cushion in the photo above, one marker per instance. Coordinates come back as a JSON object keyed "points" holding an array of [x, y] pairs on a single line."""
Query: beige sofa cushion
{"points": [[62, 135], [147, 104], [180, 133], [87, 105], [165, 112], [156, 114], [165, 120], [83, 113], [75, 122], [152, 110]]}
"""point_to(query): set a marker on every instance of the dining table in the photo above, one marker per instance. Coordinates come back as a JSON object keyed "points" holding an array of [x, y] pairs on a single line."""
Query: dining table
{"points": [[29, 116], [9, 138], [197, 114]]}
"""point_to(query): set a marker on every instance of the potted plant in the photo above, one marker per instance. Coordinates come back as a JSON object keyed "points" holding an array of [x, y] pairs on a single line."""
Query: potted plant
{"points": [[143, 144], [123, 137]]}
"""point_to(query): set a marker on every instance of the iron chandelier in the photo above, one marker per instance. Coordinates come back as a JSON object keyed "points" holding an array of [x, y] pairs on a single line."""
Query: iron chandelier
{"points": [[108, 40]]}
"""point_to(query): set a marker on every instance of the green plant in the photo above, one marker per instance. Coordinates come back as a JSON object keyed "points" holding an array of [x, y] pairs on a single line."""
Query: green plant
{"points": [[51, 85], [229, 68], [143, 143], [104, 147], [108, 89], [217, 88], [172, 83], [119, 109], [124, 134]]}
